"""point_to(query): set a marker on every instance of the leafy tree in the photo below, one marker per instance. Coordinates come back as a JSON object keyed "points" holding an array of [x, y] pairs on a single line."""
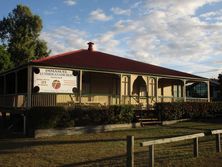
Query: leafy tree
{"points": [[19, 32], [5, 62]]}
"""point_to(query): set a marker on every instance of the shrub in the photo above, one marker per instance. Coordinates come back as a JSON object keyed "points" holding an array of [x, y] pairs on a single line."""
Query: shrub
{"points": [[102, 115], [193, 110], [48, 117], [56, 117]]}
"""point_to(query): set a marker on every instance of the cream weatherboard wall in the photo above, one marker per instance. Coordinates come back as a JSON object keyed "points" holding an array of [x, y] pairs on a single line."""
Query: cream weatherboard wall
{"points": [[100, 88]]}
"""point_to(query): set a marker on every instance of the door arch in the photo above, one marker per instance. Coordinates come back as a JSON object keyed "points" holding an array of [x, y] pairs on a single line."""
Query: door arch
{"points": [[139, 87]]}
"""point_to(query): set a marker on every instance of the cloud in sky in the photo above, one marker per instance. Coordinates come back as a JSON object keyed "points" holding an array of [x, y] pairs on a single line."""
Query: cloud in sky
{"points": [[166, 33], [70, 2], [63, 39], [99, 15], [119, 11]]}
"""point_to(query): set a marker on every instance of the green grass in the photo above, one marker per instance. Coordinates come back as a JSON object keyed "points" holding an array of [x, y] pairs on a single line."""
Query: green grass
{"points": [[109, 149]]}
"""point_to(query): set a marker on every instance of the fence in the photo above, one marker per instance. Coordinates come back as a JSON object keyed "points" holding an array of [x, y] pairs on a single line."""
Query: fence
{"points": [[218, 143], [150, 144]]}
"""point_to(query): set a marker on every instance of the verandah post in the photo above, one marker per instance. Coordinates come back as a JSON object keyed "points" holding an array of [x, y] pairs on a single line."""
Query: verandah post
{"points": [[29, 96], [208, 91], [80, 87], [184, 90], [157, 80], [130, 151], [120, 89]]}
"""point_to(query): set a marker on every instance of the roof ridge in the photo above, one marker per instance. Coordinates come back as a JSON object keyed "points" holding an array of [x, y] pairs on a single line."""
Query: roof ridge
{"points": [[57, 55], [131, 60]]}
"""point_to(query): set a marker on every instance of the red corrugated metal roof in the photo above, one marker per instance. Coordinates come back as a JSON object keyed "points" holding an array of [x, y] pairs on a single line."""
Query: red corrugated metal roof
{"points": [[102, 61]]}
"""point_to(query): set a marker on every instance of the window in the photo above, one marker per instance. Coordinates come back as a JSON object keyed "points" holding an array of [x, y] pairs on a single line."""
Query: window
{"points": [[177, 91], [125, 83], [198, 90]]}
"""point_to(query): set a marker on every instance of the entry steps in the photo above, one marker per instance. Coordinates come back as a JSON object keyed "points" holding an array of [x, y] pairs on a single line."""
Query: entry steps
{"points": [[147, 117], [148, 121]]}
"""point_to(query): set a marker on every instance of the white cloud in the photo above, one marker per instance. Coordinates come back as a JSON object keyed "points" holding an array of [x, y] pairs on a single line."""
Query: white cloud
{"points": [[169, 32], [180, 8], [119, 11], [99, 15], [212, 16], [63, 39], [107, 42], [166, 33], [70, 2]]}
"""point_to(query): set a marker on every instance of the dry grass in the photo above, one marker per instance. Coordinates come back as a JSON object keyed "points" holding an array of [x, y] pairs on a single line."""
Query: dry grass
{"points": [[108, 149]]}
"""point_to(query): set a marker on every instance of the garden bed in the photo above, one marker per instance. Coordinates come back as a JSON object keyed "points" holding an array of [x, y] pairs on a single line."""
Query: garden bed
{"points": [[41, 133]]}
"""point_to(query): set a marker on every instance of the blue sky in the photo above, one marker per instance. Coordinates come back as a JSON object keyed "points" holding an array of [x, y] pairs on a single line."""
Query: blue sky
{"points": [[178, 34]]}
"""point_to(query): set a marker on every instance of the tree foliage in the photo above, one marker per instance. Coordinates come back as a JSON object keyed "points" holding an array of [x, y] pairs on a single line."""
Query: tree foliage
{"points": [[20, 32], [5, 62]]}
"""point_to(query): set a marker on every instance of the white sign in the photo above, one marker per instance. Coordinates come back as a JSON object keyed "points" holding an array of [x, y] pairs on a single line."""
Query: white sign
{"points": [[54, 81]]}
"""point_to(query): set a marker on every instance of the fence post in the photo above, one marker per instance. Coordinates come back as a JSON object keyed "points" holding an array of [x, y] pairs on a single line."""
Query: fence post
{"points": [[218, 143], [195, 147], [130, 151], [151, 155]]}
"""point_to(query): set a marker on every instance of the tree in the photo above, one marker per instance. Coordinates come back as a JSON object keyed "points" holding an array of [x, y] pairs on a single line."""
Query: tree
{"points": [[5, 62], [19, 33]]}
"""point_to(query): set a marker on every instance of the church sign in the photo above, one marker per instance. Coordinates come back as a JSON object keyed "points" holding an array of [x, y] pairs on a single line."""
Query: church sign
{"points": [[48, 80]]}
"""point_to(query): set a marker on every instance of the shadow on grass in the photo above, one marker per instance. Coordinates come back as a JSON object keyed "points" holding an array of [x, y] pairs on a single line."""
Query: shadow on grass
{"points": [[10, 144], [206, 128], [141, 160]]}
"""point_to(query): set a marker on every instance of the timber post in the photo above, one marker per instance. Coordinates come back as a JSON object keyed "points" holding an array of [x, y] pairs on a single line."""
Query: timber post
{"points": [[130, 151], [218, 143], [80, 87], [157, 85], [120, 89], [151, 155], [184, 90], [195, 147], [29, 97], [208, 91]]}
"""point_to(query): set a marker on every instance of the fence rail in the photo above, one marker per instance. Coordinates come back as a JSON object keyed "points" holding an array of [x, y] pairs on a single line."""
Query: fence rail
{"points": [[150, 144], [170, 140]]}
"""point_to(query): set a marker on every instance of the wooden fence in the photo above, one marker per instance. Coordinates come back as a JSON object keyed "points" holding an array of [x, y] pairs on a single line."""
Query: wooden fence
{"points": [[218, 143], [150, 144]]}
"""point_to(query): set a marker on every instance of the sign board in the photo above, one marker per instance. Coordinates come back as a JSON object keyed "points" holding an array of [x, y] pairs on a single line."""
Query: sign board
{"points": [[54, 80]]}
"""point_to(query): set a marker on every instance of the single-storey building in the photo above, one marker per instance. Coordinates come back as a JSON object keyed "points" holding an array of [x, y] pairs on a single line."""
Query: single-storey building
{"points": [[91, 77]]}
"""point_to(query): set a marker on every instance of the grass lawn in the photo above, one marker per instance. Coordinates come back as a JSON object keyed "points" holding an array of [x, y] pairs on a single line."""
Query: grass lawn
{"points": [[109, 149]]}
